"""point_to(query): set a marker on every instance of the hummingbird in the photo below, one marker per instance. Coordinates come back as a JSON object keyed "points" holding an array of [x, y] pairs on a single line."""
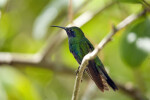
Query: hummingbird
{"points": [[79, 46]]}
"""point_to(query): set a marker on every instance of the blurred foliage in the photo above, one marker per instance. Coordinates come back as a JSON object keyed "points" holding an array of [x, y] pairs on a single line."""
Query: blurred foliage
{"points": [[15, 85], [130, 1], [24, 28], [135, 43]]}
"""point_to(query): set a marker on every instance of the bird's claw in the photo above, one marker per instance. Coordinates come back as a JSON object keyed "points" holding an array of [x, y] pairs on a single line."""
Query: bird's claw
{"points": [[77, 71]]}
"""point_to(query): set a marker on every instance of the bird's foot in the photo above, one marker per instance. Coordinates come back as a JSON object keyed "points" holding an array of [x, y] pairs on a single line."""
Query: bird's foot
{"points": [[83, 74], [84, 70], [77, 71]]}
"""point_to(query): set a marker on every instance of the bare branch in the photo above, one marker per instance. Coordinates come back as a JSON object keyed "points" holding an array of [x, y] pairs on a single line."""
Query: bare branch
{"points": [[25, 59], [93, 54], [132, 92], [32, 60], [146, 3], [70, 11], [128, 89], [11, 58]]}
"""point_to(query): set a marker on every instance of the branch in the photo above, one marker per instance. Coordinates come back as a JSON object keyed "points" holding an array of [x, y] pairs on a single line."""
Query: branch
{"points": [[127, 89], [32, 60], [25, 59], [93, 54], [146, 3], [132, 92], [70, 11], [39, 59]]}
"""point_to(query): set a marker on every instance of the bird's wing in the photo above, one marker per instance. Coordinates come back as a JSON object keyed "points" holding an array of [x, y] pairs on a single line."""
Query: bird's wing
{"points": [[79, 50], [77, 53], [86, 47], [97, 70], [104, 74]]}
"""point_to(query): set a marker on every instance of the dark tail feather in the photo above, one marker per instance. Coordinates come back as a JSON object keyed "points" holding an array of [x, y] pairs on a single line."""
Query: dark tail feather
{"points": [[110, 81], [100, 80], [96, 77]]}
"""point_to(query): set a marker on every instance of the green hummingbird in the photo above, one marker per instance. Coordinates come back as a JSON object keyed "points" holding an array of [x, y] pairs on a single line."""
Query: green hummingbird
{"points": [[79, 46]]}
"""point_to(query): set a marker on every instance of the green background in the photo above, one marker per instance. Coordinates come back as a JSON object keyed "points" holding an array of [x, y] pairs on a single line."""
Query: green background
{"points": [[25, 29]]}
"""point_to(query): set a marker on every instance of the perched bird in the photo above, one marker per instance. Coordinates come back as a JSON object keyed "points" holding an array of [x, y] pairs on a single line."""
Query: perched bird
{"points": [[79, 46]]}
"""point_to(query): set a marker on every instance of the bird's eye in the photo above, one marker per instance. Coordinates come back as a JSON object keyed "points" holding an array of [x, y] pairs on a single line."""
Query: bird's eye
{"points": [[70, 30]]}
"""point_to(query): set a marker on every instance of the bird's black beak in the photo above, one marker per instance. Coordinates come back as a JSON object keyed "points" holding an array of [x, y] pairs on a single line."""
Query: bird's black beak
{"points": [[59, 27]]}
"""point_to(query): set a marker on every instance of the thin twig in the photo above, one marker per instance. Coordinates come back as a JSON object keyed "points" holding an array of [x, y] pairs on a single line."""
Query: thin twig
{"points": [[93, 54], [32, 60], [128, 89], [146, 3], [70, 11], [136, 94]]}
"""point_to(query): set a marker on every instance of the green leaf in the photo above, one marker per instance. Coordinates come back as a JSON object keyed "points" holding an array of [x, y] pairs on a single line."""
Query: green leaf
{"points": [[135, 44]]}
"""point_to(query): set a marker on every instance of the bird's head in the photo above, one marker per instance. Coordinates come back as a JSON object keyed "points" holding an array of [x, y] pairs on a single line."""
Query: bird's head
{"points": [[72, 31]]}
